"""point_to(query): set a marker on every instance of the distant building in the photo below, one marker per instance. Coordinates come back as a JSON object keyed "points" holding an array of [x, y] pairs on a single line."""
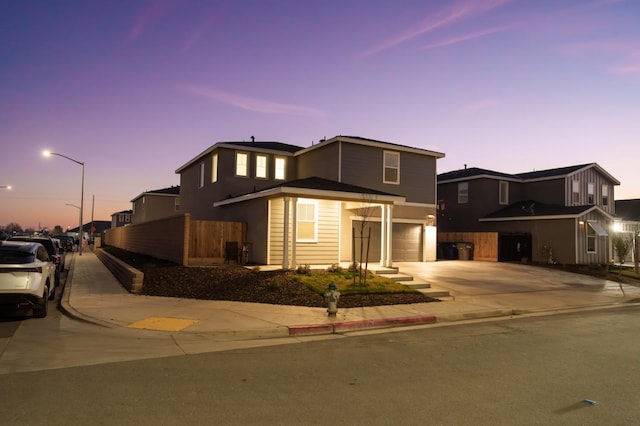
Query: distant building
{"points": [[156, 204], [121, 218]]}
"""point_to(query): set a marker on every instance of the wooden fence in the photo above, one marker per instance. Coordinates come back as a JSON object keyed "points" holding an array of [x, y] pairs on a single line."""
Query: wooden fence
{"points": [[485, 244], [178, 239]]}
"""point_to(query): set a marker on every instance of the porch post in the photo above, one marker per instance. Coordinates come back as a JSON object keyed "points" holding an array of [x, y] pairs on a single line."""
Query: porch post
{"points": [[389, 229], [285, 236], [294, 231], [383, 235]]}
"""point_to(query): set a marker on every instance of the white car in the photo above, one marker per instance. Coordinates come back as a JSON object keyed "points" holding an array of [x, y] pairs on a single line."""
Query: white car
{"points": [[27, 277]]}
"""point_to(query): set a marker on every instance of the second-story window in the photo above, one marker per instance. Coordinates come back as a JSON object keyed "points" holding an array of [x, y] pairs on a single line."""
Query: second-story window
{"points": [[214, 168], [242, 163], [201, 180], [261, 166], [575, 192], [281, 167], [591, 196], [605, 195], [391, 172], [176, 204], [463, 192], [504, 192]]}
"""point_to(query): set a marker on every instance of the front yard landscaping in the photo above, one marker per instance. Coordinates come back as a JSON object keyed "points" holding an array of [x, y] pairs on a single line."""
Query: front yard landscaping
{"points": [[237, 283]]}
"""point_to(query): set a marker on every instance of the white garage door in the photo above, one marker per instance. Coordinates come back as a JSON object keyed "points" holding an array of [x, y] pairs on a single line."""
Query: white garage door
{"points": [[407, 242]]}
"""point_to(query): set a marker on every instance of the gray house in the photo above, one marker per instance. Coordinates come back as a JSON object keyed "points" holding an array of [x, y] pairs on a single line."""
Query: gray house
{"points": [[563, 214], [314, 205], [156, 204]]}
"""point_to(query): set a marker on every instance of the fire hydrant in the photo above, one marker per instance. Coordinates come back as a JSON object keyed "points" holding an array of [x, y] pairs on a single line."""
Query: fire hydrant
{"points": [[331, 297]]}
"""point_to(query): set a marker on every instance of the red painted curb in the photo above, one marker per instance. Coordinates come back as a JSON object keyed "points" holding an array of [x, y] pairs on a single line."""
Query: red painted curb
{"points": [[359, 325]]}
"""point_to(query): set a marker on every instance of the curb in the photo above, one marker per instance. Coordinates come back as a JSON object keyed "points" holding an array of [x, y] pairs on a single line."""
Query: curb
{"points": [[338, 327]]}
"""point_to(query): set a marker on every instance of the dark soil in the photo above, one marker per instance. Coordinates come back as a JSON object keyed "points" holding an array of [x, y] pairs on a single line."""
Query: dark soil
{"points": [[236, 283]]}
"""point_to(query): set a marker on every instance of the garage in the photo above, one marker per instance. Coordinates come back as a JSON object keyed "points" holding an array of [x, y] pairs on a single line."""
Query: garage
{"points": [[406, 242]]}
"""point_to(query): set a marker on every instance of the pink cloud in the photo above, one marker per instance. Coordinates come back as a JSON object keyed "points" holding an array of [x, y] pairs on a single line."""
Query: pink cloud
{"points": [[465, 37], [482, 104], [252, 104], [457, 12], [155, 10]]}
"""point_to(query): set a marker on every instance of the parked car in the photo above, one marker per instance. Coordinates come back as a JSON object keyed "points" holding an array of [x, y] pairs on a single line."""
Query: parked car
{"points": [[61, 252], [51, 248], [65, 240], [27, 277]]}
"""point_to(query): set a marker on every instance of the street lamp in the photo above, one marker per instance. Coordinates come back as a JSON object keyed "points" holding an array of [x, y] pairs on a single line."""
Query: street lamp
{"points": [[80, 233], [5, 186]]}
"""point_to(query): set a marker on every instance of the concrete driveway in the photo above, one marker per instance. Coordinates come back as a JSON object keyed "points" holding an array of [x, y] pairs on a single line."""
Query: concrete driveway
{"points": [[477, 278]]}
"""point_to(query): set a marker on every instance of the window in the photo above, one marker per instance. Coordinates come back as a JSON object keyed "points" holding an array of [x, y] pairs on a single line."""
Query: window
{"points": [[214, 168], [504, 192], [201, 181], [605, 195], [261, 166], [575, 192], [176, 204], [391, 172], [591, 197], [242, 163], [591, 240], [127, 218], [463, 192], [281, 165], [307, 225]]}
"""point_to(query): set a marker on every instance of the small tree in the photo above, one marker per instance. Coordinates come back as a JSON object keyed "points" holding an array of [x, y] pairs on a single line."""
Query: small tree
{"points": [[622, 246]]}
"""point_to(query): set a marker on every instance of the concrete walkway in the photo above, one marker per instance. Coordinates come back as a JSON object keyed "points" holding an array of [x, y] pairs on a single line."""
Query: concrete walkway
{"points": [[478, 290]]}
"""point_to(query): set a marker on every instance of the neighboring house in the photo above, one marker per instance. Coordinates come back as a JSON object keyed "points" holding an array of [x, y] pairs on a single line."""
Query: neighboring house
{"points": [[628, 225], [306, 205], [157, 204], [561, 214], [121, 218]]}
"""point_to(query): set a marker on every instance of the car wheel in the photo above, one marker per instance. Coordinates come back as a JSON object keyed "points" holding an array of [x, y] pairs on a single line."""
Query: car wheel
{"points": [[41, 308], [52, 293]]}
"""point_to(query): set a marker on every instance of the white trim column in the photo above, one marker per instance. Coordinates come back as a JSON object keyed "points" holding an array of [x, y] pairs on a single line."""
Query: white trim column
{"points": [[294, 232], [383, 235], [389, 239], [285, 235]]}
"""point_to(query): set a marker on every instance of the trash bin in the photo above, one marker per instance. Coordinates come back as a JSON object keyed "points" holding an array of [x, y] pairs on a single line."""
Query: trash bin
{"points": [[465, 251], [449, 251]]}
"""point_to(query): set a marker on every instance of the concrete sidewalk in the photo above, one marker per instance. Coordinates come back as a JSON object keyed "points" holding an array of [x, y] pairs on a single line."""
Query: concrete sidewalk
{"points": [[93, 294]]}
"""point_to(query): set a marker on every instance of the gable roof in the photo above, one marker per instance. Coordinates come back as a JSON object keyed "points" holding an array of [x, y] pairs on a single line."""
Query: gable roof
{"points": [[319, 188], [560, 172], [171, 191], [628, 209], [122, 212], [266, 147], [372, 142], [529, 210]]}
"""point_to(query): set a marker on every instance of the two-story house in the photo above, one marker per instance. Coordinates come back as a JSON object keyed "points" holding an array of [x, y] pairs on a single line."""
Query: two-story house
{"points": [[156, 204], [560, 215], [316, 205], [121, 218]]}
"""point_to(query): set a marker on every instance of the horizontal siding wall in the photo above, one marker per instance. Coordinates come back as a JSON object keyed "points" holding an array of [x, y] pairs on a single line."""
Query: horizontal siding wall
{"points": [[324, 251]]}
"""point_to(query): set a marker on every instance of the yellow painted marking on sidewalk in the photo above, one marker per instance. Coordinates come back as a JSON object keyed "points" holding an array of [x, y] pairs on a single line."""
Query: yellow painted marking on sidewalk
{"points": [[163, 324]]}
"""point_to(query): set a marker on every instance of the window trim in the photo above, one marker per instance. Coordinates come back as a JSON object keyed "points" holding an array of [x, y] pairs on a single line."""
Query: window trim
{"points": [[246, 165], [503, 196], [277, 170], [176, 204], [266, 166], [313, 203], [463, 189], [605, 195], [591, 193], [575, 192], [201, 180], [214, 168], [385, 167]]}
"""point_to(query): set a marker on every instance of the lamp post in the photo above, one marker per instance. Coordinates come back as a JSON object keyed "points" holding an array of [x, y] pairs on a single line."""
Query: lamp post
{"points": [[80, 233], [5, 186]]}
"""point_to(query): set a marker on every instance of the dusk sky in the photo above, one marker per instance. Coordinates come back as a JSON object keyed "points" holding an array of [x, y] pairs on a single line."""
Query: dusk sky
{"points": [[135, 89]]}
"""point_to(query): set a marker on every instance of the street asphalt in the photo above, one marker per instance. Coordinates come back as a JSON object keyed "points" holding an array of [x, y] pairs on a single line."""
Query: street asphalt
{"points": [[477, 290]]}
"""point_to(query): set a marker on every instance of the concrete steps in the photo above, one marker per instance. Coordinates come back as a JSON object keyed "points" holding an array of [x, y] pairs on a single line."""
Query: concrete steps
{"points": [[422, 286]]}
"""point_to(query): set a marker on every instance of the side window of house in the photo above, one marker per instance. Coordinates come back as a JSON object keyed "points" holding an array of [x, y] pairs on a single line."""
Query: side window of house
{"points": [[391, 172], [242, 163], [214, 168], [605, 195], [177, 204], [591, 239], [127, 218], [201, 179], [281, 167], [591, 196], [504, 192], [463, 192], [575, 192], [307, 224], [261, 166]]}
